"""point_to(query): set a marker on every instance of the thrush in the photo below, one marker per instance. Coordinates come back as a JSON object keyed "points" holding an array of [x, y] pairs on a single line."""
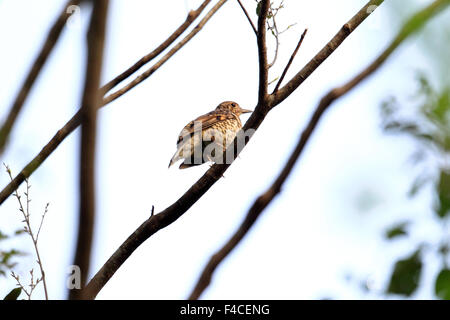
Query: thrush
{"points": [[207, 137]]}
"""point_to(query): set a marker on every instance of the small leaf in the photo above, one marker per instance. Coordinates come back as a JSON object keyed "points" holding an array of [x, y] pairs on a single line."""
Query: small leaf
{"points": [[397, 231], [14, 294], [442, 285], [443, 191], [258, 8], [406, 275], [3, 236], [19, 232], [417, 186]]}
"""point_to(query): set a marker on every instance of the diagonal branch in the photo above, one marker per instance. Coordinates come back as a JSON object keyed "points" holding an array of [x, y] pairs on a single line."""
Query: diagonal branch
{"points": [[41, 59], [161, 220], [163, 46], [264, 199], [90, 104], [75, 121], [113, 96], [323, 54], [290, 61], [248, 17]]}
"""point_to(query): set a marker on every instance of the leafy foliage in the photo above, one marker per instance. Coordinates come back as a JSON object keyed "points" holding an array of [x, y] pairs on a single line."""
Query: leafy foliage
{"points": [[429, 128], [442, 285], [406, 275], [13, 294], [397, 231], [7, 256]]}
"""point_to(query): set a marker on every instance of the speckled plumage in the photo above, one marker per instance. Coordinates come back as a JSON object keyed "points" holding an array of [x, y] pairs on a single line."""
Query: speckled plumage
{"points": [[201, 138]]}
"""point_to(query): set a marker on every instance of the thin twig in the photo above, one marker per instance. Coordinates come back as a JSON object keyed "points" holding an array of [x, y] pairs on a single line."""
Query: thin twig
{"points": [[264, 199], [90, 104], [113, 96], [26, 218], [41, 59], [198, 189], [193, 14], [248, 17], [290, 61], [42, 221], [73, 123], [274, 30]]}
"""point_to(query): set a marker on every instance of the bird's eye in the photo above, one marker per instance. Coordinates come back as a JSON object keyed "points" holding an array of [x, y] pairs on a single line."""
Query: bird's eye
{"points": [[233, 104]]}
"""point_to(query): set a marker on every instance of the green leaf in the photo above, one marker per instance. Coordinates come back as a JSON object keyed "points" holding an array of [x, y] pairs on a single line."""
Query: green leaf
{"points": [[258, 8], [397, 231], [442, 285], [443, 190], [19, 232], [406, 275], [418, 184], [3, 236], [14, 294]]}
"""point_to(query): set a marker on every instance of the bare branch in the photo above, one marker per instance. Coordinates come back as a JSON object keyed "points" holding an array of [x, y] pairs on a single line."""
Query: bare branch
{"points": [[90, 104], [290, 61], [71, 125], [262, 53], [164, 45], [323, 54], [36, 68], [248, 17], [25, 210], [264, 199], [195, 192], [178, 46]]}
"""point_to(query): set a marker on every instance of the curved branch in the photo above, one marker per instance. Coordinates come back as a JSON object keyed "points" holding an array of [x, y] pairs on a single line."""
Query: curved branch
{"points": [[41, 59], [264, 199], [75, 121], [90, 104], [196, 191]]}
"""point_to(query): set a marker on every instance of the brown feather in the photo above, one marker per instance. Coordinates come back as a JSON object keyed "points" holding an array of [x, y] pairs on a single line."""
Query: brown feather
{"points": [[207, 120]]}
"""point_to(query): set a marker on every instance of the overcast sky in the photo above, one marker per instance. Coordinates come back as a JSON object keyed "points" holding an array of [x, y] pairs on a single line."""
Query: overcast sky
{"points": [[328, 221]]}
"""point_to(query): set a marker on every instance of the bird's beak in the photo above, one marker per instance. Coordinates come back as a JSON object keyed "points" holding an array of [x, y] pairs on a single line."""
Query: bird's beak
{"points": [[246, 111]]}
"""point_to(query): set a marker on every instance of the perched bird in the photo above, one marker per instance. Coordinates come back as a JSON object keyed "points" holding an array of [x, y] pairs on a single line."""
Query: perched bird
{"points": [[201, 138]]}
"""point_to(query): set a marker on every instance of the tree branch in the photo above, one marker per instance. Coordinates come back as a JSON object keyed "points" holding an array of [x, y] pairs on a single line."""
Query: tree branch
{"points": [[75, 121], [149, 72], [290, 61], [248, 17], [192, 16], [41, 59], [197, 190], [262, 54], [414, 24], [323, 54], [90, 104]]}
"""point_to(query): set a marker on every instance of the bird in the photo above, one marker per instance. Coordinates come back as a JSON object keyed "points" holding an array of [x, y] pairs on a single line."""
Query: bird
{"points": [[200, 139]]}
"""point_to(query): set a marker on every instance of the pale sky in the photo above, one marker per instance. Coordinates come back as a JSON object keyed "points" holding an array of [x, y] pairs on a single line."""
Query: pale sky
{"points": [[312, 235]]}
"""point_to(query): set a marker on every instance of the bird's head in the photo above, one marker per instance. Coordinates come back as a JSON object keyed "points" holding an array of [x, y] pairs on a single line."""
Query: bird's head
{"points": [[233, 107]]}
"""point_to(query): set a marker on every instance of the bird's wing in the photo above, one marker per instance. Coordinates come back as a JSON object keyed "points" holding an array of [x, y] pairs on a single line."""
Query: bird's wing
{"points": [[206, 121]]}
